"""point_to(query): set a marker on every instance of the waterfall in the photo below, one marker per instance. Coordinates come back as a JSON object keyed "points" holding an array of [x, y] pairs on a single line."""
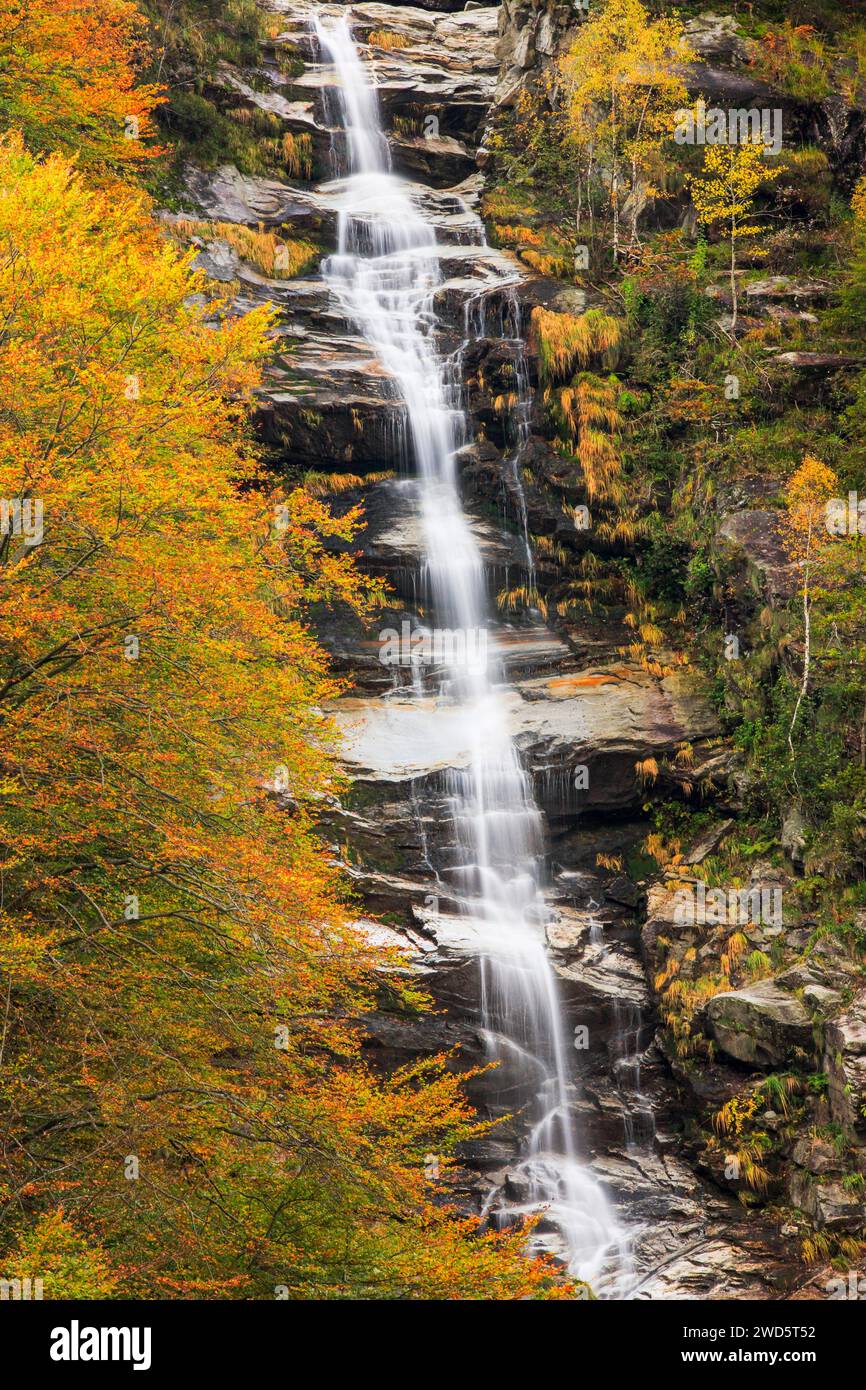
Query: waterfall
{"points": [[383, 277]]}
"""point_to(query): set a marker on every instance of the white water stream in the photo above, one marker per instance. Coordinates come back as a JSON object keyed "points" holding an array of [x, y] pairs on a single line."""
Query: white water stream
{"points": [[383, 278]]}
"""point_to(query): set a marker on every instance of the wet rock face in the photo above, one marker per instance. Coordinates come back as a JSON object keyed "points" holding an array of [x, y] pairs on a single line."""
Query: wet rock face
{"points": [[327, 402], [816, 1186], [580, 733], [691, 1241], [832, 1206], [792, 1023]]}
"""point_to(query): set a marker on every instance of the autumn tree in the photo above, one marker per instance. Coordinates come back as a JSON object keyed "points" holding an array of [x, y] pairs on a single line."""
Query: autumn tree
{"points": [[182, 984], [59, 1262], [69, 79], [622, 90], [724, 197], [808, 543]]}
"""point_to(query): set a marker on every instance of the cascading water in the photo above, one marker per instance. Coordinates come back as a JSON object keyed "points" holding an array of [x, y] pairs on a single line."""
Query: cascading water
{"points": [[383, 278]]}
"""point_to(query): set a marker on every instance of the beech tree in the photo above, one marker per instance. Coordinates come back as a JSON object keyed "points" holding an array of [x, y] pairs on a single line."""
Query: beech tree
{"points": [[68, 79], [181, 979]]}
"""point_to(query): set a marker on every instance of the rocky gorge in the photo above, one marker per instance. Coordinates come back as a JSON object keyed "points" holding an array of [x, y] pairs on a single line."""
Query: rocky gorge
{"points": [[600, 736]]}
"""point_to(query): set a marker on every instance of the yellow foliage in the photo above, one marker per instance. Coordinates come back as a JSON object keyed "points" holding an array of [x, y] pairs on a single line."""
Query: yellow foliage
{"points": [[567, 341], [806, 495], [724, 195], [609, 861], [622, 84], [726, 187], [656, 847]]}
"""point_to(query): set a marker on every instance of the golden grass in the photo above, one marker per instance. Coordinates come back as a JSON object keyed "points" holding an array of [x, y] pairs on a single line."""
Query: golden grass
{"points": [[388, 39], [499, 205], [647, 771], [532, 246], [625, 530], [331, 484], [518, 235], [588, 412], [408, 126], [594, 585], [678, 1004], [734, 949], [609, 861], [551, 550], [297, 152], [277, 257]]}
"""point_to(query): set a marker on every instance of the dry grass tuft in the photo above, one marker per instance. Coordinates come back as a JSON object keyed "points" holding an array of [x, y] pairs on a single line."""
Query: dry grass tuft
{"points": [[277, 257], [568, 341], [388, 39]]}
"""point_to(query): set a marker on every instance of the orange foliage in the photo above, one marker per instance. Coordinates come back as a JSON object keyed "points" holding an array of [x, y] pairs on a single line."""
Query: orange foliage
{"points": [[68, 79], [181, 978]]}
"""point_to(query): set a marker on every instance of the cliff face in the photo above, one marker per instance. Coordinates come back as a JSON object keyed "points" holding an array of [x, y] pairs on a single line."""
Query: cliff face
{"points": [[574, 704], [765, 1066], [531, 33]]}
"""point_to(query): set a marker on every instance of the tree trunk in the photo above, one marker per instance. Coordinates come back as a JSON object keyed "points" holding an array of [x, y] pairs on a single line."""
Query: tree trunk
{"points": [[733, 275], [807, 643], [614, 175]]}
